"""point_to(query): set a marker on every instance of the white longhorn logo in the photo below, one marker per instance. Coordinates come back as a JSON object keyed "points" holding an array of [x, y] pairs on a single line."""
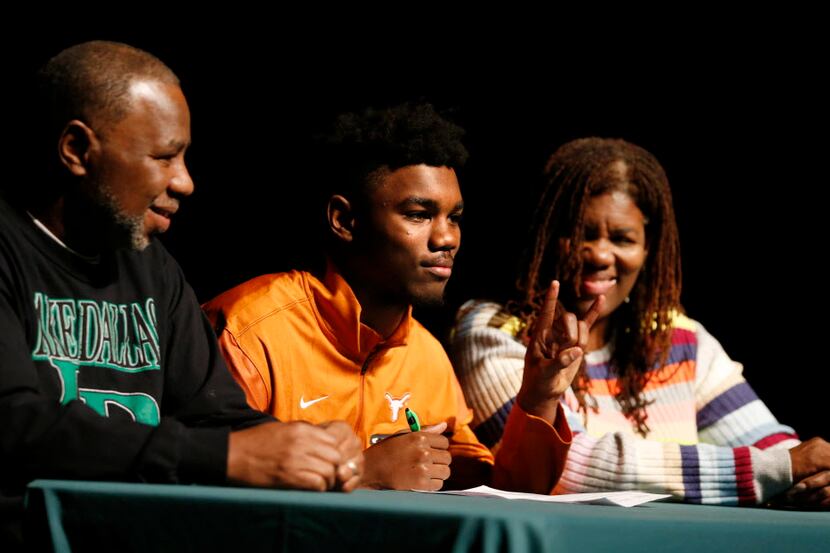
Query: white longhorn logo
{"points": [[395, 405]]}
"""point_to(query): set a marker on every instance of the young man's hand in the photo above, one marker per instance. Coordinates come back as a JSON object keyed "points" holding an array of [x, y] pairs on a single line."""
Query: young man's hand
{"points": [[409, 461]]}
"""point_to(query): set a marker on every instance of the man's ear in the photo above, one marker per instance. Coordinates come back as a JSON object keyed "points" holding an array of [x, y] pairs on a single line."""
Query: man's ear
{"points": [[74, 146], [340, 217]]}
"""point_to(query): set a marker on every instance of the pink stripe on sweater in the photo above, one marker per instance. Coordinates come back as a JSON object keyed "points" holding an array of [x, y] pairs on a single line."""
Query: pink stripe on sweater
{"points": [[743, 476], [773, 439]]}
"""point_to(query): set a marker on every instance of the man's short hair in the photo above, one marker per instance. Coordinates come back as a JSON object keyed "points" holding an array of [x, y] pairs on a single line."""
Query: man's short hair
{"points": [[363, 144], [91, 82]]}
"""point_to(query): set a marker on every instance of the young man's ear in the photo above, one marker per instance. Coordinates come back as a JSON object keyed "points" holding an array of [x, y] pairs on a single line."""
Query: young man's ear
{"points": [[74, 146], [340, 216]]}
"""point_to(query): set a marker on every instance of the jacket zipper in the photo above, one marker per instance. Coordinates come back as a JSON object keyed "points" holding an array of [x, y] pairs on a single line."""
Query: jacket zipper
{"points": [[359, 419]]}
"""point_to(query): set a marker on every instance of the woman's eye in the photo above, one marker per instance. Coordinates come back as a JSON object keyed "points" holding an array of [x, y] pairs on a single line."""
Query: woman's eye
{"points": [[622, 239]]}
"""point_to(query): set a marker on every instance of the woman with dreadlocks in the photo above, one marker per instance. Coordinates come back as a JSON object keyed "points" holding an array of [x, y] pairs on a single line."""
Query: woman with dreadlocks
{"points": [[657, 404]]}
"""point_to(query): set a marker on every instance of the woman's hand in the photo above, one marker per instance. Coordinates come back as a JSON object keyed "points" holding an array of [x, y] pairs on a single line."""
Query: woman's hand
{"points": [[554, 354]]}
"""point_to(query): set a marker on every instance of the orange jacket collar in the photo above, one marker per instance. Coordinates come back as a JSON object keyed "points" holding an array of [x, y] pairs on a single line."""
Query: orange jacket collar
{"points": [[338, 314]]}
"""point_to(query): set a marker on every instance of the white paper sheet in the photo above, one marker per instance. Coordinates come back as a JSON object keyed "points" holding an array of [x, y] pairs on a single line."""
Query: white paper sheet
{"points": [[619, 499]]}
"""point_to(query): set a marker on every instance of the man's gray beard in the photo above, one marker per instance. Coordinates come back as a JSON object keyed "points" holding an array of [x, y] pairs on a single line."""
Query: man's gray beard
{"points": [[127, 231]]}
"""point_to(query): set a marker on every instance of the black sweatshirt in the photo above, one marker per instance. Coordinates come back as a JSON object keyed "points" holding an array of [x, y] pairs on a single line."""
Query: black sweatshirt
{"points": [[108, 370]]}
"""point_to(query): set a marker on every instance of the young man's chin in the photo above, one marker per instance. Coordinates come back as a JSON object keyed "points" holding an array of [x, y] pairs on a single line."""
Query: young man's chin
{"points": [[428, 299]]}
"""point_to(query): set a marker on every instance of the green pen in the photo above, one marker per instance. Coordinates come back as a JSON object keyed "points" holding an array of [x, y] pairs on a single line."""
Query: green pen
{"points": [[412, 419]]}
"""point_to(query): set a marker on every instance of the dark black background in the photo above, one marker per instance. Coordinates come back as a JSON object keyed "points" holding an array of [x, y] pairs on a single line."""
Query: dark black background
{"points": [[737, 119]]}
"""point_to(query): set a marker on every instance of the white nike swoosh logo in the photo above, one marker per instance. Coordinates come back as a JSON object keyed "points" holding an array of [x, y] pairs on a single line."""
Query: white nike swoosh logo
{"points": [[307, 404]]}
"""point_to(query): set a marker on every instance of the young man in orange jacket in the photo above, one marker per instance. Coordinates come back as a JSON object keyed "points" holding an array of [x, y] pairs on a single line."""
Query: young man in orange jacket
{"points": [[342, 344]]}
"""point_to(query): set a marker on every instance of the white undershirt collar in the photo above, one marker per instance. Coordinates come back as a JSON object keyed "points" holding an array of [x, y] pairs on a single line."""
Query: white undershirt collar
{"points": [[50, 234]]}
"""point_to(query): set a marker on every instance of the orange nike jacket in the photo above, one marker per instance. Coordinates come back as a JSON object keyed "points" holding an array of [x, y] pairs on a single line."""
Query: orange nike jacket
{"points": [[298, 349]]}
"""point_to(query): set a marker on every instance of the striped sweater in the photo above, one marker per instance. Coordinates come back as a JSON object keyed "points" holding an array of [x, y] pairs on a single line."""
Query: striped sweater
{"points": [[711, 439]]}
